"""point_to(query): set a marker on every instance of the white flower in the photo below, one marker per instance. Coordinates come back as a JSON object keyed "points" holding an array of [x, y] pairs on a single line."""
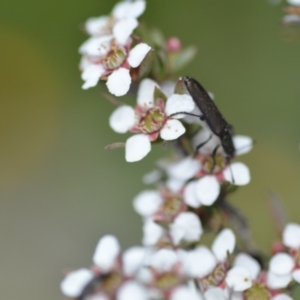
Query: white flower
{"points": [[106, 252], [184, 293], [164, 260], [147, 202], [186, 226], [291, 236], [111, 57], [104, 25], [239, 279], [152, 233], [132, 290], [151, 118], [133, 260], [75, 282], [246, 261]]}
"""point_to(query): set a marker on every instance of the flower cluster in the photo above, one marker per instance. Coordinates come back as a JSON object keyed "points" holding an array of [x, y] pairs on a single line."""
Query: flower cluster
{"points": [[189, 199]]}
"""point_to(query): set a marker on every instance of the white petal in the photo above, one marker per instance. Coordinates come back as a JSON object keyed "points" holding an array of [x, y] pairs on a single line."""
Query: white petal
{"points": [[246, 261], [96, 297], [189, 195], [127, 9], [184, 169], [118, 82], [106, 252], [238, 175], [147, 202], [164, 260], [74, 283], [123, 29], [174, 184], [137, 54], [168, 87], [122, 119], [238, 279], [281, 264], [96, 46], [184, 293], [223, 243], [199, 263], [282, 297], [152, 233], [179, 103], [132, 290], [242, 144], [172, 130], [294, 2], [296, 275], [133, 260], [186, 226], [278, 282], [291, 235], [96, 26], [214, 293], [137, 147], [145, 94], [207, 189], [91, 75]]}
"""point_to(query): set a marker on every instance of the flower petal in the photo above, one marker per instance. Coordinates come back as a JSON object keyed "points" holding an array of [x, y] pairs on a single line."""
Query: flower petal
{"points": [[97, 26], [75, 282], [91, 75], [278, 282], [179, 103], [184, 293], [242, 144], [118, 82], [238, 279], [172, 130], [184, 169], [152, 233], [164, 260], [133, 260], [189, 195], [281, 264], [122, 119], [96, 46], [137, 147], [186, 226], [237, 173], [96, 297], [291, 235], [296, 275], [246, 261], [147, 202], [207, 189], [137, 54], [127, 9], [145, 94], [199, 263], [282, 297], [294, 2], [106, 252], [223, 243], [123, 29], [174, 184], [214, 293], [132, 290]]}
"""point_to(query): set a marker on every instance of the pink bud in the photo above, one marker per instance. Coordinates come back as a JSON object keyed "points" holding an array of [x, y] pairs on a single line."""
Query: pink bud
{"points": [[173, 45]]}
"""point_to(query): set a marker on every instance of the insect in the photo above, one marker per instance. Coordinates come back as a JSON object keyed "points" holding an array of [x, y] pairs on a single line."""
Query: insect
{"points": [[211, 115]]}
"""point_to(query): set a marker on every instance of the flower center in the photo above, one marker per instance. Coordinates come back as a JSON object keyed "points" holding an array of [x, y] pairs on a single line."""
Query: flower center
{"points": [[257, 292], [167, 281], [111, 283], [214, 164], [215, 278], [172, 207], [115, 57], [153, 120]]}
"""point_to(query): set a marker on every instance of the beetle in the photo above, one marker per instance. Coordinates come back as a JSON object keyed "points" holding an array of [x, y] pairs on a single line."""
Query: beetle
{"points": [[211, 115]]}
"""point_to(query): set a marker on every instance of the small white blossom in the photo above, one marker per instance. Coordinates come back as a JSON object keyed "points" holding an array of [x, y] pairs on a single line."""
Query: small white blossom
{"points": [[291, 236], [132, 290], [152, 233], [246, 261], [239, 279], [151, 118]]}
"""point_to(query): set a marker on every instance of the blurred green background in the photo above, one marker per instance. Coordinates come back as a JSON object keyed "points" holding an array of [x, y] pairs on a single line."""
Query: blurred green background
{"points": [[60, 190]]}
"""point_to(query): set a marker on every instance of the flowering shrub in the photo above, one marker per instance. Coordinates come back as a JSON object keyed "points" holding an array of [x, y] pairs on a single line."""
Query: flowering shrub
{"points": [[191, 188]]}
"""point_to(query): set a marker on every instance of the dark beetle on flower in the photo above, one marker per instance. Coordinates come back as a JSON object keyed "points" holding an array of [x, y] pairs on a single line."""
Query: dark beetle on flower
{"points": [[211, 115]]}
